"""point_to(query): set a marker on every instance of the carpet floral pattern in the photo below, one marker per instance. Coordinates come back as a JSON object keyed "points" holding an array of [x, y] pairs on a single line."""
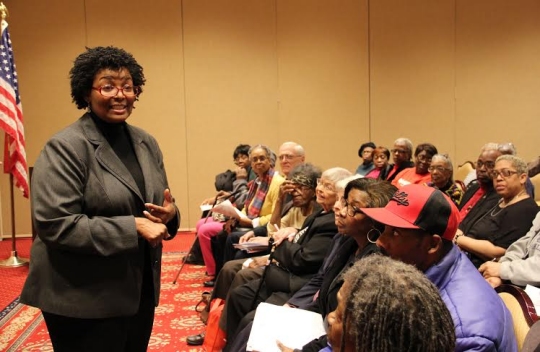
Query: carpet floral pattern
{"points": [[22, 328]]}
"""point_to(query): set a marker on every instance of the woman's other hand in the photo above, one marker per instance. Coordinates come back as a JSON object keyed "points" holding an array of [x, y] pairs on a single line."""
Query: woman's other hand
{"points": [[494, 281], [258, 262], [490, 269], [284, 233], [245, 222], [260, 240], [164, 213], [151, 231], [241, 173], [283, 348], [246, 237]]}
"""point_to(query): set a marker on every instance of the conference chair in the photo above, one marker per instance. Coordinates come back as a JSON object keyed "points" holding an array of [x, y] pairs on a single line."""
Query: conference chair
{"points": [[521, 308], [463, 170], [532, 340], [536, 183]]}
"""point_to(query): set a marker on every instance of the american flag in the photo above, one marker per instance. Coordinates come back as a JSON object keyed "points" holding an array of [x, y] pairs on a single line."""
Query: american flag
{"points": [[11, 117]]}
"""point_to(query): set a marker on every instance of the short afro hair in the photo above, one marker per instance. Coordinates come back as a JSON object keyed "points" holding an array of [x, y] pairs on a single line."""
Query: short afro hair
{"points": [[93, 60]]}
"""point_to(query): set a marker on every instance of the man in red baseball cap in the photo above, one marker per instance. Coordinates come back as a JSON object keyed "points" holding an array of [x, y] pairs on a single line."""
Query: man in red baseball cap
{"points": [[420, 224]]}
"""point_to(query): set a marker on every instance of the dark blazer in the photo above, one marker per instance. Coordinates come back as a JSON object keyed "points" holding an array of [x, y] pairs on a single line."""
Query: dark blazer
{"points": [[87, 260], [299, 261]]}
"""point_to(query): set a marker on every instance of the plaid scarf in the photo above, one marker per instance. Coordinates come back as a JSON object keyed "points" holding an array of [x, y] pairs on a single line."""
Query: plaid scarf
{"points": [[257, 193]]}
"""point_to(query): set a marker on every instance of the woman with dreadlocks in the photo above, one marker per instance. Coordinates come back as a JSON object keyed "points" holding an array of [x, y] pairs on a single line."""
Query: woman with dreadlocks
{"points": [[101, 207], [389, 306]]}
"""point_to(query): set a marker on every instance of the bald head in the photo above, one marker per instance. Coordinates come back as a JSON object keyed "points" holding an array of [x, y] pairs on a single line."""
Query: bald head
{"points": [[290, 154]]}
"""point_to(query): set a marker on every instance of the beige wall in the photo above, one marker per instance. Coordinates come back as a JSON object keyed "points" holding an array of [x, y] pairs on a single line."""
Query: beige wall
{"points": [[328, 74]]}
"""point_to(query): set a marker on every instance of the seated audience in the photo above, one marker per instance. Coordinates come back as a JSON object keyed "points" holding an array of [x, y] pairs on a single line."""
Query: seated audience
{"points": [[420, 173], [381, 155], [420, 224], [382, 308], [401, 155], [441, 171], [507, 221], [261, 197], [301, 186], [366, 154], [480, 196], [504, 149], [355, 240], [297, 257], [521, 262]]}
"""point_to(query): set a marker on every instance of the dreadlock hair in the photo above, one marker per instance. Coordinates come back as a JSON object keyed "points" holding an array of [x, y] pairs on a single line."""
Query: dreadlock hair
{"points": [[391, 306], [93, 60]]}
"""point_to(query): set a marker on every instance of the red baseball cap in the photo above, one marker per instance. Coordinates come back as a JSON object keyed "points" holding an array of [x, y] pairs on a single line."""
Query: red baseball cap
{"points": [[419, 207]]}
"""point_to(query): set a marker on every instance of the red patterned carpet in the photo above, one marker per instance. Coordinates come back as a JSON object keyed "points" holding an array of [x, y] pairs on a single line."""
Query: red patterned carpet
{"points": [[22, 327]]}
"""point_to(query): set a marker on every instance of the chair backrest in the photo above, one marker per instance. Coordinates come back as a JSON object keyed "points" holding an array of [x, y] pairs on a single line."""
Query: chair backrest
{"points": [[532, 340], [536, 183], [521, 308], [463, 170]]}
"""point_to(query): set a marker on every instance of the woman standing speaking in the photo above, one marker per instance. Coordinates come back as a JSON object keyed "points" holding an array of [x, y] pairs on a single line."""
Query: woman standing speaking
{"points": [[101, 206]]}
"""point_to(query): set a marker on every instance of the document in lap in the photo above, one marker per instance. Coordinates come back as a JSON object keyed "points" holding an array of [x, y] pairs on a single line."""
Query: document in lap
{"points": [[292, 326], [226, 208]]}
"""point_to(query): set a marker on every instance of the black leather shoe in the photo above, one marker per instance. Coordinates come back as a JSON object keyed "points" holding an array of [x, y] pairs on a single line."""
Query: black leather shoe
{"points": [[193, 259], [195, 340], [209, 283]]}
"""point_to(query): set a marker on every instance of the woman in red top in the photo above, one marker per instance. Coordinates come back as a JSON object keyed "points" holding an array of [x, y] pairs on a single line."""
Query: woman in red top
{"points": [[420, 173]]}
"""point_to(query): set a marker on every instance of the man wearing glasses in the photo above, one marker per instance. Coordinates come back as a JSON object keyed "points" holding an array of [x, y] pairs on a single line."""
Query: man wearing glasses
{"points": [[480, 196], [290, 154], [401, 154]]}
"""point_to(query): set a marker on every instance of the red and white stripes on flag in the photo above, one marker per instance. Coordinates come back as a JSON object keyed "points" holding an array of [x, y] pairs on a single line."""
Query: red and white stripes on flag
{"points": [[11, 116]]}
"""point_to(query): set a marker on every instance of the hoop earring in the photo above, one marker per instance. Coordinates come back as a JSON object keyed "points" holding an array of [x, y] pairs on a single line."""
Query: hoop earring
{"points": [[378, 234]]}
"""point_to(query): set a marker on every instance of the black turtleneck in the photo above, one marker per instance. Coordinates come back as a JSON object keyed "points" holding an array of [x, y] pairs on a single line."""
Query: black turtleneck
{"points": [[119, 139]]}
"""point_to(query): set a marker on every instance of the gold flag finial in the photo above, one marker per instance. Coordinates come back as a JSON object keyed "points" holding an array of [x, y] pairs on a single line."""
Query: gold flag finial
{"points": [[3, 10]]}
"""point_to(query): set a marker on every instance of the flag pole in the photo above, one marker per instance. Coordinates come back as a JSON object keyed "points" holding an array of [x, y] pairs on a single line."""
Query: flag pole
{"points": [[14, 260]]}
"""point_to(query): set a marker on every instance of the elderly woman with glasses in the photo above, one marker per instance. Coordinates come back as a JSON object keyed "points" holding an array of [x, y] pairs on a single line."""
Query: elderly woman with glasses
{"points": [[297, 257], [489, 236], [401, 155], [441, 171], [420, 173]]}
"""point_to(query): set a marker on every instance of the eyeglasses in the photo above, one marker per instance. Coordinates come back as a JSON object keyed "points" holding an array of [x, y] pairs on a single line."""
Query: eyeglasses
{"points": [[258, 158], [351, 209], [438, 168], [423, 158], [504, 173], [111, 91], [326, 186], [286, 157], [488, 164], [399, 151]]}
